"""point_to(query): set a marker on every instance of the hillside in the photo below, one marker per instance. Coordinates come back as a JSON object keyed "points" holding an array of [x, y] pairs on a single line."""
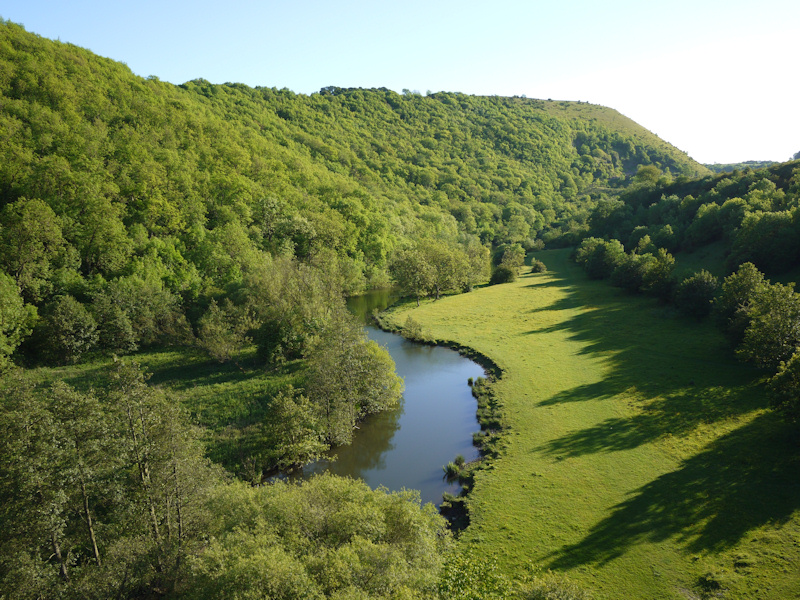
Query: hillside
{"points": [[751, 215], [357, 171], [212, 231]]}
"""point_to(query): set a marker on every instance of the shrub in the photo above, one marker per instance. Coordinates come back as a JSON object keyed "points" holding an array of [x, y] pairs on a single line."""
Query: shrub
{"points": [[413, 330], [451, 471], [693, 295], [503, 274], [784, 388], [553, 587], [538, 266]]}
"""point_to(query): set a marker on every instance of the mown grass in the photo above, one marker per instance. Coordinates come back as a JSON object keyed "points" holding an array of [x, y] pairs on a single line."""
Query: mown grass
{"points": [[639, 457]]}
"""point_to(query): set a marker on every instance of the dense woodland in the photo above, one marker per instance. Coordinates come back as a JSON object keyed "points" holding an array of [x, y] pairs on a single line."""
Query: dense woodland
{"points": [[751, 221], [220, 218]]}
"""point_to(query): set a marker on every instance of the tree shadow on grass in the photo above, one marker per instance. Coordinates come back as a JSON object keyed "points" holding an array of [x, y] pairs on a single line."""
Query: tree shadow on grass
{"points": [[672, 374], [675, 413], [743, 480]]}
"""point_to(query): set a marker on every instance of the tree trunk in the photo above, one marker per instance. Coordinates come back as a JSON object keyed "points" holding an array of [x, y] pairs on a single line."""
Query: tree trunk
{"points": [[57, 553], [87, 515]]}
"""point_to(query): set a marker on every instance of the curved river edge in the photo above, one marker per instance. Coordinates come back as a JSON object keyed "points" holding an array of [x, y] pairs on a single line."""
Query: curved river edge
{"points": [[490, 439]]}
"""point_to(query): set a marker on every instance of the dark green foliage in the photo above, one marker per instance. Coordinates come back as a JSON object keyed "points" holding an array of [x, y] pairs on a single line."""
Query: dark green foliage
{"points": [[66, 332], [537, 266], [631, 271], [503, 274], [693, 295], [784, 388], [114, 327], [16, 318], [32, 246], [102, 492], [600, 257], [737, 295], [771, 240], [748, 164], [753, 213], [222, 331], [773, 332], [658, 280]]}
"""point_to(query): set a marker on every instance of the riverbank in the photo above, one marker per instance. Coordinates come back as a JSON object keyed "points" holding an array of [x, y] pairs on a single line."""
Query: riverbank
{"points": [[638, 455]]}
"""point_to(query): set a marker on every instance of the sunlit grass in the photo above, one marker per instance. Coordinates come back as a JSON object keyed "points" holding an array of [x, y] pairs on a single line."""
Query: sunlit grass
{"points": [[639, 455]]}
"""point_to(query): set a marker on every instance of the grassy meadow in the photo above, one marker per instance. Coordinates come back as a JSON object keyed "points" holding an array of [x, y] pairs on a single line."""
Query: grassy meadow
{"points": [[639, 456]]}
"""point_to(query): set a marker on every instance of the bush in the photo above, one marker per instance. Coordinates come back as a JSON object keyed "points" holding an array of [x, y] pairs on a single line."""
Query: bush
{"points": [[553, 587], [503, 274], [694, 295], [451, 471], [600, 258], [538, 266], [413, 330], [784, 389], [631, 271]]}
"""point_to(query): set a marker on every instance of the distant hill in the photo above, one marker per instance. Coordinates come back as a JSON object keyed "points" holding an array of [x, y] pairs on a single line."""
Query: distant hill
{"points": [[749, 164], [172, 157]]}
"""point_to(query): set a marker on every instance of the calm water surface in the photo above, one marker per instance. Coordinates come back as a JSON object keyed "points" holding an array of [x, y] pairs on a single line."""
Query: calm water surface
{"points": [[407, 447]]}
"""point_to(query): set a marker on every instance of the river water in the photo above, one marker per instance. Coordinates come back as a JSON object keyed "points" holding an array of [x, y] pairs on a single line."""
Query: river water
{"points": [[407, 447]]}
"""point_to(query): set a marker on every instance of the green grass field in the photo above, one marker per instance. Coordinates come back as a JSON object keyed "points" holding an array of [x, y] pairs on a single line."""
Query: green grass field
{"points": [[639, 457]]}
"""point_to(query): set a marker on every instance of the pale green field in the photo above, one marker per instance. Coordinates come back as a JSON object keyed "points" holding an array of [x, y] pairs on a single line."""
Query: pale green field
{"points": [[639, 455]]}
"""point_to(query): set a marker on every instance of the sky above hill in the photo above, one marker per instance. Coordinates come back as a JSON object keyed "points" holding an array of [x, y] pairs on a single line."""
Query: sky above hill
{"points": [[715, 78]]}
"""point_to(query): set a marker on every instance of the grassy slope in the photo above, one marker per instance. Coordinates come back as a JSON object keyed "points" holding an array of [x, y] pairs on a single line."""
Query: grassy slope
{"points": [[639, 455], [616, 121]]}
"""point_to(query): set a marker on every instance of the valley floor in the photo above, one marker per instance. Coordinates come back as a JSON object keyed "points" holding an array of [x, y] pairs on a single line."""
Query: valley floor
{"points": [[639, 455]]}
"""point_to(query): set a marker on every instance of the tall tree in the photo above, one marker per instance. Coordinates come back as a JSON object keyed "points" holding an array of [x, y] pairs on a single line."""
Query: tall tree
{"points": [[349, 377], [32, 246]]}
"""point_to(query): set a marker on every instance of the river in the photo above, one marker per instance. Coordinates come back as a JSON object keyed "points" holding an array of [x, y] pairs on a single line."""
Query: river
{"points": [[407, 447]]}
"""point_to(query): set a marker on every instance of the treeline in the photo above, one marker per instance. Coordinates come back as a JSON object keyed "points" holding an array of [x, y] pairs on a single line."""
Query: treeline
{"points": [[748, 164], [755, 215], [760, 319]]}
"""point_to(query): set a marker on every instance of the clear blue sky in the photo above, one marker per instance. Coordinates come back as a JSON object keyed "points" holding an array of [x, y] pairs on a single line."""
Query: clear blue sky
{"points": [[718, 79]]}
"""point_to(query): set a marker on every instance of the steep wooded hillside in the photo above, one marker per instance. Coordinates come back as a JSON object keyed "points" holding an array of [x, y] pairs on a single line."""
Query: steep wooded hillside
{"points": [[119, 193], [352, 170]]}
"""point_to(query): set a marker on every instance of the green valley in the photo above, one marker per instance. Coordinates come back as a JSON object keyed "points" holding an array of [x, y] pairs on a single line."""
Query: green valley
{"points": [[174, 263], [638, 455]]}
